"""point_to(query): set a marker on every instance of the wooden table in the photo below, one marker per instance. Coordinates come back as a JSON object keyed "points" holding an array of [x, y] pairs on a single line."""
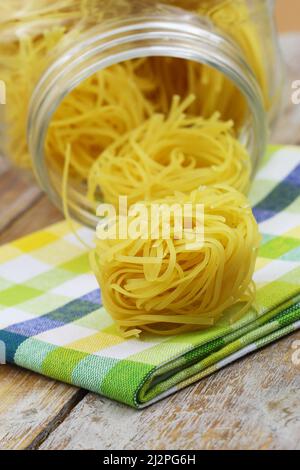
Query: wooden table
{"points": [[252, 404]]}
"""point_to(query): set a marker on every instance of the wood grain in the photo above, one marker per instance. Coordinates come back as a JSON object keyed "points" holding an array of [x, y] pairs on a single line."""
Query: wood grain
{"points": [[17, 195], [38, 216], [31, 406], [238, 408]]}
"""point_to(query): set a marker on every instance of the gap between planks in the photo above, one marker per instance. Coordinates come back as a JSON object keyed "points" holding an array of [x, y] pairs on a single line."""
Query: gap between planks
{"points": [[31, 406], [58, 419]]}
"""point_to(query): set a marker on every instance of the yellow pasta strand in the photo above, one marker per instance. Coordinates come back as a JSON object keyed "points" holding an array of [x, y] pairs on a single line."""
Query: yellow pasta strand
{"points": [[164, 286]]}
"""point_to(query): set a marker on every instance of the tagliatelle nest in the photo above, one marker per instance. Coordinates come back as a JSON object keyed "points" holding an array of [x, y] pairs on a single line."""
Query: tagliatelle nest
{"points": [[171, 286]]}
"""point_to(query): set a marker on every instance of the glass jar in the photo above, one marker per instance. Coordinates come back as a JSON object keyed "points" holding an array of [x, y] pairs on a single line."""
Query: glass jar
{"points": [[49, 48]]}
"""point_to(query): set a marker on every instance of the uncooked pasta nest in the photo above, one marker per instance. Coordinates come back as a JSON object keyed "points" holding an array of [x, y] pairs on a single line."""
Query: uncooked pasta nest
{"points": [[169, 153], [169, 286]]}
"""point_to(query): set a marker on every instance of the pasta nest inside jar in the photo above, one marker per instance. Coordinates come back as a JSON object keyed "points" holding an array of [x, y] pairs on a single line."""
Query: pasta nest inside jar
{"points": [[174, 285], [170, 152]]}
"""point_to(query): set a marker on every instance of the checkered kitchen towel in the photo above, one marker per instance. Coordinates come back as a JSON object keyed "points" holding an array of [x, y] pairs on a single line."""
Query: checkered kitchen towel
{"points": [[52, 322]]}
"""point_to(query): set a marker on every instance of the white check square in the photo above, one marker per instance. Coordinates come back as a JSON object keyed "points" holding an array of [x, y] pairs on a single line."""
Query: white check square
{"points": [[65, 334], [77, 287], [273, 271], [275, 170], [125, 349], [280, 224], [22, 269], [11, 316], [84, 234]]}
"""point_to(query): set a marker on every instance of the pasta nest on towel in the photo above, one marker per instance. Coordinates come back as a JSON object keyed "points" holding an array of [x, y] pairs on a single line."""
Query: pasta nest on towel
{"points": [[174, 285]]}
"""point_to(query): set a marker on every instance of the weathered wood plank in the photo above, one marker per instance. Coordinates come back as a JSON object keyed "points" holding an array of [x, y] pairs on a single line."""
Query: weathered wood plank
{"points": [[18, 193], [253, 404], [38, 216], [31, 406]]}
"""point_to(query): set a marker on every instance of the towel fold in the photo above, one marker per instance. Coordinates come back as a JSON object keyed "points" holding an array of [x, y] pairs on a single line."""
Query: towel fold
{"points": [[52, 321]]}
